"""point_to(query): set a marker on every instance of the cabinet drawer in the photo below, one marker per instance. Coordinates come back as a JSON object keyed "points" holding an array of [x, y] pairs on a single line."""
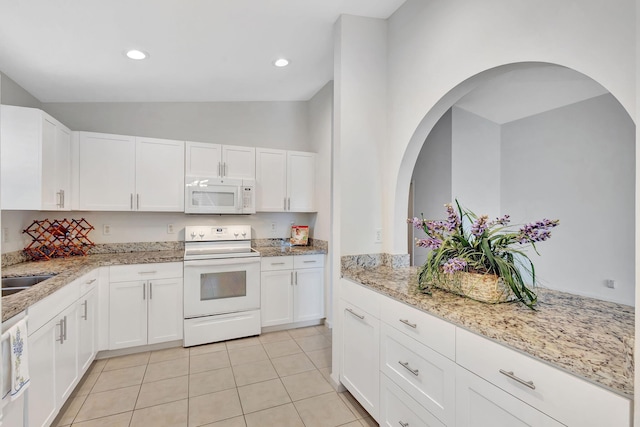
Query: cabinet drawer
{"points": [[276, 263], [308, 261], [429, 330], [163, 270], [88, 282], [397, 408], [361, 297], [46, 309], [563, 396], [424, 374]]}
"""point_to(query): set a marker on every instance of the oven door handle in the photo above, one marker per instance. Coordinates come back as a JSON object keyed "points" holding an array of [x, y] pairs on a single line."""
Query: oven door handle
{"points": [[222, 261]]}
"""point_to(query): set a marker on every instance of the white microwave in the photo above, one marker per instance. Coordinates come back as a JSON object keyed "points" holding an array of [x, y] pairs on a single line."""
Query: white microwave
{"points": [[205, 195]]}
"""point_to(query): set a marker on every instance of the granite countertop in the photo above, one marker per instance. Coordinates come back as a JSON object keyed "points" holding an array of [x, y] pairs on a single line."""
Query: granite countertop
{"points": [[271, 251], [67, 270], [590, 338]]}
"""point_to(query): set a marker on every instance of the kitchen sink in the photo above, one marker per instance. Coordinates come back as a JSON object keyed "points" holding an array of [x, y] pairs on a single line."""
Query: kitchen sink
{"points": [[12, 285]]}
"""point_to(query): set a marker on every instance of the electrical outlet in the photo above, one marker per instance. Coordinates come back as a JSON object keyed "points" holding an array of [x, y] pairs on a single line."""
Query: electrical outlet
{"points": [[274, 228], [378, 235], [106, 229], [170, 229], [610, 283]]}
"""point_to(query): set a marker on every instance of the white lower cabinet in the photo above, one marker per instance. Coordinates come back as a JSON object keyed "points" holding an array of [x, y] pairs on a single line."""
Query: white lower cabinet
{"points": [[87, 329], [42, 402], [481, 404], [66, 353], [292, 289], [397, 408], [145, 304]]}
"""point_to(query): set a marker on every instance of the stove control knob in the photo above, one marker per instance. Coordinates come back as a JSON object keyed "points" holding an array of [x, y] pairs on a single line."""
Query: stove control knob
{"points": [[244, 234], [193, 235], [236, 234], [201, 234]]}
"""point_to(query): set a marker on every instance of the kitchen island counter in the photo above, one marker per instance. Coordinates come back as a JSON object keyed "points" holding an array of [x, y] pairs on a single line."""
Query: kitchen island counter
{"points": [[589, 338]]}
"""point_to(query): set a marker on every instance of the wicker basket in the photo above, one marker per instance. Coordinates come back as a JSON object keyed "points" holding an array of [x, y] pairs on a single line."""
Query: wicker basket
{"points": [[481, 287]]}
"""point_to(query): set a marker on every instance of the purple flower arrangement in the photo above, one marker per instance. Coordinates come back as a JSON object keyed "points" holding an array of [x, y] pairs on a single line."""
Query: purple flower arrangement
{"points": [[487, 247]]}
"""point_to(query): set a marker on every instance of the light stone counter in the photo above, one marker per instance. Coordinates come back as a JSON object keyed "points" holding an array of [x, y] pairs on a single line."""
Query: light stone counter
{"points": [[271, 251], [590, 338], [69, 269]]}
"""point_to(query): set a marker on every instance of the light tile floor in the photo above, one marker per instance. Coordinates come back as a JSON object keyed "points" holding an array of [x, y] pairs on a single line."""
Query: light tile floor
{"points": [[278, 379]]}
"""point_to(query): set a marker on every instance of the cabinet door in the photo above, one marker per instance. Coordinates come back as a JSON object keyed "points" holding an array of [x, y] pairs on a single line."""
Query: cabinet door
{"points": [[480, 403], [276, 296], [271, 180], [239, 162], [203, 159], [56, 165], [159, 175], [87, 322], [107, 165], [360, 356], [397, 408], [308, 294], [42, 368], [301, 181], [66, 375], [165, 321], [127, 314]]}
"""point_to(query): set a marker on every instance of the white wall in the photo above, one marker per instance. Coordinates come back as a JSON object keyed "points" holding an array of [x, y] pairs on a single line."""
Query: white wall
{"points": [[435, 46], [432, 179], [14, 94], [475, 171], [576, 164], [360, 75]]}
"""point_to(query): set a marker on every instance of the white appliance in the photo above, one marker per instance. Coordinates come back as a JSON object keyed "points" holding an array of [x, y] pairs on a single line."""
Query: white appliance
{"points": [[221, 284], [206, 195]]}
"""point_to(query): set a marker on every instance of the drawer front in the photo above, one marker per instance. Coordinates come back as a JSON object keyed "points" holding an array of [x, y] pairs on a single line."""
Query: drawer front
{"points": [[361, 297], [46, 309], [308, 261], [397, 408], [163, 270], [89, 281], [429, 330], [276, 263], [423, 373], [563, 396]]}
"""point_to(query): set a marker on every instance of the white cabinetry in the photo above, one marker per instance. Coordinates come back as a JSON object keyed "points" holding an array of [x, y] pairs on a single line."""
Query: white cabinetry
{"points": [[285, 181], [61, 347], [125, 173], [292, 289], [35, 160], [145, 304], [360, 349], [220, 161]]}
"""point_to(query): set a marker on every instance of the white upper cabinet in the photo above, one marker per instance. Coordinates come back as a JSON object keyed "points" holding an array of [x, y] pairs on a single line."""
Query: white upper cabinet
{"points": [[285, 181], [125, 173], [220, 161], [35, 167]]}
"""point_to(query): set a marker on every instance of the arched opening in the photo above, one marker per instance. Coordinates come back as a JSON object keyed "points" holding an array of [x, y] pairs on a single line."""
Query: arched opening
{"points": [[537, 140]]}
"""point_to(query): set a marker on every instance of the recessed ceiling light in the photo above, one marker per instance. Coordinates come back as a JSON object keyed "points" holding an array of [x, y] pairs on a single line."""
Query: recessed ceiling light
{"points": [[281, 62], [136, 54]]}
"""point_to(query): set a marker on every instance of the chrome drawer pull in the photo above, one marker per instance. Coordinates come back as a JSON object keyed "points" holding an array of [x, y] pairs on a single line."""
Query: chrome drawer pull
{"points": [[520, 380], [406, 322], [408, 368], [403, 424], [355, 314], [147, 272], [308, 261], [277, 263], [91, 281]]}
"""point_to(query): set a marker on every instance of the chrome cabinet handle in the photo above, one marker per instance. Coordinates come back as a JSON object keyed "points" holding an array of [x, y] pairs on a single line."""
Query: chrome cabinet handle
{"points": [[150, 290], [288, 203], [144, 291], [137, 202], [306, 262], [406, 322], [148, 272], [61, 337], [292, 278], [62, 194], [355, 314], [520, 380], [296, 273], [91, 281], [219, 170], [408, 368], [65, 328], [60, 203], [131, 201], [84, 316], [225, 169], [403, 424], [285, 204], [277, 263]]}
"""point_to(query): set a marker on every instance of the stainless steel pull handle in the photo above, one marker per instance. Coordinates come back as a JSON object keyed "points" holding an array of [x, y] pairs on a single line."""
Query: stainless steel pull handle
{"points": [[406, 322], [355, 314], [408, 368], [296, 278], [277, 263], [285, 204], [65, 328], [61, 337], [219, 170], [91, 281], [148, 272], [150, 290], [144, 291], [131, 200], [307, 262], [62, 193], [225, 168], [288, 203], [84, 316], [403, 424], [138, 202], [292, 278], [520, 380], [59, 197]]}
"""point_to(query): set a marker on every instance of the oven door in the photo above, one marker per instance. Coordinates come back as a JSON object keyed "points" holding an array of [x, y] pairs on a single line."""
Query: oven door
{"points": [[213, 199], [218, 286]]}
